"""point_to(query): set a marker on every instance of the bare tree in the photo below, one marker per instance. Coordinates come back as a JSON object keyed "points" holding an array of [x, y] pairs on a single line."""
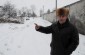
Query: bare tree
{"points": [[9, 10], [41, 13], [33, 8], [48, 11]]}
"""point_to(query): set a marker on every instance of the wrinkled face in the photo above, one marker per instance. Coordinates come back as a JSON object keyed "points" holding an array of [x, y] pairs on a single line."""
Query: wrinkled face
{"points": [[62, 19]]}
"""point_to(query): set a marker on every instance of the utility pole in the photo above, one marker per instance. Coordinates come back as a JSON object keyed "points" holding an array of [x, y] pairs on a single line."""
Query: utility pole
{"points": [[43, 11], [56, 9], [56, 4]]}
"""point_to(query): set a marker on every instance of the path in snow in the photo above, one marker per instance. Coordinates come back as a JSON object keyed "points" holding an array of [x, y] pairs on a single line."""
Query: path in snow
{"points": [[23, 39]]}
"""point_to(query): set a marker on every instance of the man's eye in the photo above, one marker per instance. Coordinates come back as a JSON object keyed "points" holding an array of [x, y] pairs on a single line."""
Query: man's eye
{"points": [[62, 16]]}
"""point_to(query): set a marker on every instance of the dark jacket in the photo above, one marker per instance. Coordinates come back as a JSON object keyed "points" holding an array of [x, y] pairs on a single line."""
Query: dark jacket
{"points": [[65, 37]]}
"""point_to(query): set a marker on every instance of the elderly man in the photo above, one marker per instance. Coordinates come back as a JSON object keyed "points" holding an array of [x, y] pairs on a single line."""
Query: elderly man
{"points": [[65, 37]]}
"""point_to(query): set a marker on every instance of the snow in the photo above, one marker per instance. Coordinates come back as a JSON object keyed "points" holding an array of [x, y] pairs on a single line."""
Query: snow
{"points": [[23, 39]]}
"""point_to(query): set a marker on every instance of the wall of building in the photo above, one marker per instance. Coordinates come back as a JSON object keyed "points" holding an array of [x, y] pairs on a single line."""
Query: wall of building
{"points": [[50, 17], [77, 15]]}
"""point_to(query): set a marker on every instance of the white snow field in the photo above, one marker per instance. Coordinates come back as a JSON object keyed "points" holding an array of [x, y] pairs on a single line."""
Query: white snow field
{"points": [[23, 39]]}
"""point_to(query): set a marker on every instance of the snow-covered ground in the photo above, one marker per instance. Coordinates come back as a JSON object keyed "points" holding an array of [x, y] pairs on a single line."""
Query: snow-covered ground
{"points": [[23, 39]]}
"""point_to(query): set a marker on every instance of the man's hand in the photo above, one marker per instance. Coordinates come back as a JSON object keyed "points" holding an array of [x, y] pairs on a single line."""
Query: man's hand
{"points": [[36, 26]]}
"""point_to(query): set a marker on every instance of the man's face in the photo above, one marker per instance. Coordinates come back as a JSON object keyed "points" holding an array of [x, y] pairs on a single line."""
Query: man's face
{"points": [[62, 19]]}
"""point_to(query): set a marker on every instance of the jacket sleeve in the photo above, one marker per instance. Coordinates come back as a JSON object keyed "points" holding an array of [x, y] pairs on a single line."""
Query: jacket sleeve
{"points": [[46, 30], [74, 41]]}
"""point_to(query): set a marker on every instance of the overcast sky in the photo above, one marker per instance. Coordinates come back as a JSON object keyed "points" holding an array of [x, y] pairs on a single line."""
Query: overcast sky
{"points": [[48, 4]]}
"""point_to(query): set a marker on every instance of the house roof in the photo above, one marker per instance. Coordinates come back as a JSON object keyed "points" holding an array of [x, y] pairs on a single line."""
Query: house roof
{"points": [[73, 3]]}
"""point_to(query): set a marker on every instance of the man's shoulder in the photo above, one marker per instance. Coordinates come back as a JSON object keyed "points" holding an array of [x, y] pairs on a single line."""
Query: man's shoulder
{"points": [[55, 23], [73, 26]]}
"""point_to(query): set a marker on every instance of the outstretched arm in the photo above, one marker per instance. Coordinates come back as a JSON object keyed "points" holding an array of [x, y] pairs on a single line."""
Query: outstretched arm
{"points": [[42, 29]]}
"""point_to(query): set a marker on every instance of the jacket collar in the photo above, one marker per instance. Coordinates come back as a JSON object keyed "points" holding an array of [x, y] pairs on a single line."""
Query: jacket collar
{"points": [[60, 26]]}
